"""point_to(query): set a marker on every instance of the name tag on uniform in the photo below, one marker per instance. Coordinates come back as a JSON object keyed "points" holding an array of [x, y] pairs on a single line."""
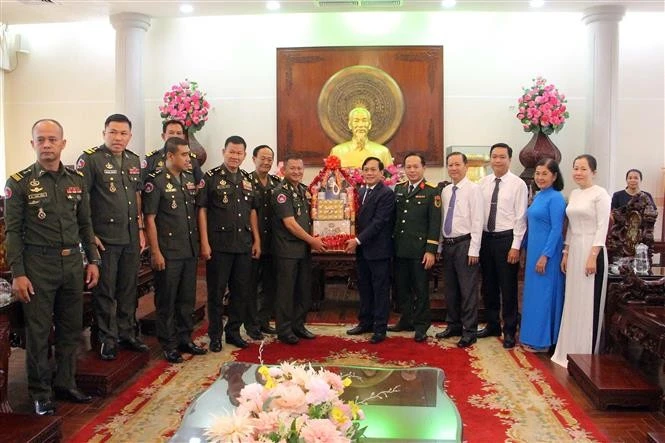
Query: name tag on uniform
{"points": [[110, 171], [73, 190], [421, 196], [134, 171], [36, 196]]}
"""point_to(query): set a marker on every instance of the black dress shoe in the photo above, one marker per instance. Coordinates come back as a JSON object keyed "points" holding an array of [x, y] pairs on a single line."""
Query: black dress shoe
{"points": [[267, 329], [508, 341], [465, 342], [44, 407], [236, 340], [420, 337], [288, 339], [73, 395], [215, 345], [377, 338], [173, 356], [304, 333], [255, 335], [134, 344], [357, 330], [191, 348], [489, 331], [400, 328], [449, 332], [108, 351]]}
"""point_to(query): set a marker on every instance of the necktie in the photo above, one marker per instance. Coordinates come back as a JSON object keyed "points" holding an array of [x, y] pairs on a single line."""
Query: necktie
{"points": [[367, 192], [491, 220], [411, 188], [448, 224]]}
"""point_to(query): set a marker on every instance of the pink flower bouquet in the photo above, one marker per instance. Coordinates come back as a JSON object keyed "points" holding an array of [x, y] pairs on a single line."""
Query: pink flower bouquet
{"points": [[295, 403], [542, 108], [185, 103]]}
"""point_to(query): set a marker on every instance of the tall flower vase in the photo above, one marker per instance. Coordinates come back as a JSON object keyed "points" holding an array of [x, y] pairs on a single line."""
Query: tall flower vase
{"points": [[196, 148], [540, 146]]}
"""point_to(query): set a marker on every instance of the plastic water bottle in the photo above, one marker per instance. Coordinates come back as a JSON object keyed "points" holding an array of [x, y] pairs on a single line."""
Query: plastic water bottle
{"points": [[6, 296], [641, 262]]}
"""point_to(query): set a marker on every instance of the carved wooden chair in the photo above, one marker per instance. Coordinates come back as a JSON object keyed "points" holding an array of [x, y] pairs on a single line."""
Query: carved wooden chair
{"points": [[632, 224]]}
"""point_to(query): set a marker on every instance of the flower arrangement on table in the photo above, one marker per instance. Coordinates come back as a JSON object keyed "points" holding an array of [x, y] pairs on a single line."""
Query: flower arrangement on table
{"points": [[542, 108], [295, 403], [185, 103]]}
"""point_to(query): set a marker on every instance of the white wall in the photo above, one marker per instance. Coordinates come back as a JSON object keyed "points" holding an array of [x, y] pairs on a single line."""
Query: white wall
{"points": [[69, 75]]}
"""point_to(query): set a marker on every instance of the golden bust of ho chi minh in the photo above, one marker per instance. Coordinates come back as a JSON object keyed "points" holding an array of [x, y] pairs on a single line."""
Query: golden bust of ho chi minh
{"points": [[353, 153]]}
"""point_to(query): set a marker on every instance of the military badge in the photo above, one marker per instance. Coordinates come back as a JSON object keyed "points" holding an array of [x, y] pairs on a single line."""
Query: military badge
{"points": [[437, 201], [202, 184], [80, 164], [34, 183], [134, 170], [174, 205], [41, 214], [112, 187], [108, 165], [225, 200], [8, 192], [170, 188], [149, 187], [144, 163], [281, 199]]}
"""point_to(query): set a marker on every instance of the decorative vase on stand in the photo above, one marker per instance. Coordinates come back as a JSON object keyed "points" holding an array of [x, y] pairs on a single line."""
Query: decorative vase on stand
{"points": [[196, 147], [540, 146]]}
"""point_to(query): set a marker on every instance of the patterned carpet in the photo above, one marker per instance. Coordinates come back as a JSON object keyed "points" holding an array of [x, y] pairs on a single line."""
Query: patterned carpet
{"points": [[501, 395]]}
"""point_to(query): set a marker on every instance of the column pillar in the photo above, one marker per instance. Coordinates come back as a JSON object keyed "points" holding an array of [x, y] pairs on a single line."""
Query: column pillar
{"points": [[130, 30], [602, 88]]}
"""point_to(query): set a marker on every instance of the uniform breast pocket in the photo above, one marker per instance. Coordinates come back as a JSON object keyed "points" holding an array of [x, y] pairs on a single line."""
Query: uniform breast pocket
{"points": [[221, 198], [247, 195]]}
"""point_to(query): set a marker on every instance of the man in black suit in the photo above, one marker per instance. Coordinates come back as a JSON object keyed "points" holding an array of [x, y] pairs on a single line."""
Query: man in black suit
{"points": [[374, 248]]}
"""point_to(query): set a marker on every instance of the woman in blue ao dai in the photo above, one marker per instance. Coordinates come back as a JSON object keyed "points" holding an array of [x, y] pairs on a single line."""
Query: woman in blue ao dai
{"points": [[542, 302]]}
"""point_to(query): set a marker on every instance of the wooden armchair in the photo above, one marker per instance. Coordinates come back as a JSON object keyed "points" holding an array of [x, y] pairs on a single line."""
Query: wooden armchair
{"points": [[632, 224]]}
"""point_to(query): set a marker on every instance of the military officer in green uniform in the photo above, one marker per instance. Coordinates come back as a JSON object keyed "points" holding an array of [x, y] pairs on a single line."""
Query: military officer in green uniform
{"points": [[292, 244], [262, 296], [113, 176], [156, 159], [230, 238], [416, 236], [169, 208], [47, 216]]}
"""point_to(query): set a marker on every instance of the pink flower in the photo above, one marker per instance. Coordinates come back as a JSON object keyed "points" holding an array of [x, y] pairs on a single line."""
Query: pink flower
{"points": [[321, 431], [318, 391], [289, 398], [235, 428]]}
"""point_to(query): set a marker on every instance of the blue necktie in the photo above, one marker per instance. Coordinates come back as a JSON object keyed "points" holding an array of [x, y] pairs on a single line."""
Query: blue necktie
{"points": [[448, 224]]}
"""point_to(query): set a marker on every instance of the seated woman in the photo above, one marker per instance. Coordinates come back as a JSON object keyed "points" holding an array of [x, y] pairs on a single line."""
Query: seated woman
{"points": [[633, 180]]}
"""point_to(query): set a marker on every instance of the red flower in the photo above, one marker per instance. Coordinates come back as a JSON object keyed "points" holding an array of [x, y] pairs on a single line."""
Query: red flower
{"points": [[332, 162]]}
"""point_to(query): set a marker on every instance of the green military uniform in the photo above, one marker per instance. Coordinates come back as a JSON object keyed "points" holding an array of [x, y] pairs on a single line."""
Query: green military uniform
{"points": [[417, 230], [229, 199], [262, 296], [173, 201], [156, 160], [47, 215], [113, 183], [293, 258]]}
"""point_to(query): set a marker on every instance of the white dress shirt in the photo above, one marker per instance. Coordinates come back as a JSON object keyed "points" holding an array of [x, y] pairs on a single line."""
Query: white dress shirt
{"points": [[512, 203], [468, 212]]}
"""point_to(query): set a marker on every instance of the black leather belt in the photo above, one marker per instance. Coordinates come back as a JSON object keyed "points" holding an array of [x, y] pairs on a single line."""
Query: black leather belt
{"points": [[454, 240], [47, 250], [497, 235]]}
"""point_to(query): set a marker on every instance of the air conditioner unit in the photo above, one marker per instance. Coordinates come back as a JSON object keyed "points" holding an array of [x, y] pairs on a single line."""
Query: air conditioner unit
{"points": [[337, 3], [360, 3]]}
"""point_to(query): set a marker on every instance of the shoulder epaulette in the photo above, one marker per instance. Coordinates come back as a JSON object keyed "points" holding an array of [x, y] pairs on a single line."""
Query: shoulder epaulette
{"points": [[275, 177], [91, 150], [131, 153], [188, 172], [21, 174], [71, 170], [245, 173], [154, 173], [402, 182], [213, 171], [192, 154], [431, 185], [151, 153]]}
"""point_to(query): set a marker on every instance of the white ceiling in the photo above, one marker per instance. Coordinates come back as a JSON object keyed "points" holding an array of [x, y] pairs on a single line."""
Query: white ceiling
{"points": [[44, 11]]}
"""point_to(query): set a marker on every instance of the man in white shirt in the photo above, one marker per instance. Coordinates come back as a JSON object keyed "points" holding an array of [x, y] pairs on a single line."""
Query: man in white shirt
{"points": [[461, 232], [506, 199]]}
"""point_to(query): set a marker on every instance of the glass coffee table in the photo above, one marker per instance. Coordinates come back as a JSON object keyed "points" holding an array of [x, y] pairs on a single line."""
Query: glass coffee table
{"points": [[421, 411]]}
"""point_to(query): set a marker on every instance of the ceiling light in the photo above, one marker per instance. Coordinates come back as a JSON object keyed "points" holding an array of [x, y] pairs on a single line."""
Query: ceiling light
{"points": [[186, 8], [448, 3], [273, 5], [537, 3]]}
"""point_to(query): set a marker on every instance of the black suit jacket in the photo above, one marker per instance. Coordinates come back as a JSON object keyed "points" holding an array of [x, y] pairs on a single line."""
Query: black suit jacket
{"points": [[374, 223]]}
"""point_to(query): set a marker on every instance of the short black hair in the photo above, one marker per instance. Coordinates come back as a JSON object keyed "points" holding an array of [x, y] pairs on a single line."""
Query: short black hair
{"points": [[634, 170], [236, 140], [381, 165], [172, 144], [464, 159], [292, 156], [119, 118], [55, 122], [415, 154], [502, 145], [590, 159], [167, 123], [553, 167], [256, 150]]}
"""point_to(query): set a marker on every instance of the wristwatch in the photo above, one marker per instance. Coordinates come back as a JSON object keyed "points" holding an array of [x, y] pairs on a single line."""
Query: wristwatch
{"points": [[95, 262]]}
